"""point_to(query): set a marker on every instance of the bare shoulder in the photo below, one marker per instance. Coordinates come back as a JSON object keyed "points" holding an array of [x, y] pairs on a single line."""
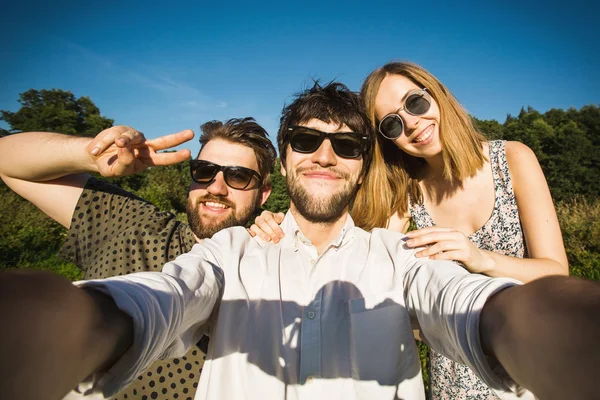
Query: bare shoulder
{"points": [[518, 153]]}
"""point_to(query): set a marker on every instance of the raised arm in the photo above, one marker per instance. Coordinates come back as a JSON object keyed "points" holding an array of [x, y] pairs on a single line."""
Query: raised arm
{"points": [[46, 168]]}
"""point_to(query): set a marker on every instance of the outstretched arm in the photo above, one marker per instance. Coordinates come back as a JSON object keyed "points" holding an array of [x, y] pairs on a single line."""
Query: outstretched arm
{"points": [[545, 335], [56, 333], [104, 332], [46, 168]]}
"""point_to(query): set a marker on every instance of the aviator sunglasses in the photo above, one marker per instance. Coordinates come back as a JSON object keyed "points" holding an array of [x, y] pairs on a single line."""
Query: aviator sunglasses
{"points": [[417, 103], [204, 172], [345, 144]]}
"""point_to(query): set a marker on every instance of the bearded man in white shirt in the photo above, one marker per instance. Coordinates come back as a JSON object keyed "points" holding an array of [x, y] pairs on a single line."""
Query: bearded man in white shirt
{"points": [[327, 312]]}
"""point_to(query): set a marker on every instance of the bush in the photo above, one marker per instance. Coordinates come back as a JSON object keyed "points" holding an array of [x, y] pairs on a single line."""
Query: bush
{"points": [[580, 224]]}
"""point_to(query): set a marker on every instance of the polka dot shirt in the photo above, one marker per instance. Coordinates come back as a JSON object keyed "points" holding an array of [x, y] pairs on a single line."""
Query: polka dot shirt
{"points": [[113, 233]]}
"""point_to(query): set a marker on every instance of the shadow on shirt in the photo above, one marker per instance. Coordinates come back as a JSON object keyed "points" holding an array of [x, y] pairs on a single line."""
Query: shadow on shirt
{"points": [[337, 335]]}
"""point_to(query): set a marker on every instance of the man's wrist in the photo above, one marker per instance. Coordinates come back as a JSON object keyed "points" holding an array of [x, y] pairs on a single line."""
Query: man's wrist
{"points": [[87, 163]]}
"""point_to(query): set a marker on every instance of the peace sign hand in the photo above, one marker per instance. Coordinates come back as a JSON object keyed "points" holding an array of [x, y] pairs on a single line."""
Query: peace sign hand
{"points": [[122, 150]]}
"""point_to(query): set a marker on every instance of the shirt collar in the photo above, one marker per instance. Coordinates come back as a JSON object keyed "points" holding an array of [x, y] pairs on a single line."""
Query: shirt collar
{"points": [[292, 231]]}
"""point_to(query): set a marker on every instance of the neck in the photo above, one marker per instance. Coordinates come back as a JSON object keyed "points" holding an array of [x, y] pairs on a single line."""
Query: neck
{"points": [[319, 233], [435, 167]]}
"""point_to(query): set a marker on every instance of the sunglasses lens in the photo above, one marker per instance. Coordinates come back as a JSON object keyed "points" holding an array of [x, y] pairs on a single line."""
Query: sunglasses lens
{"points": [[346, 145], [391, 126], [204, 172], [238, 177], [418, 103], [306, 141]]}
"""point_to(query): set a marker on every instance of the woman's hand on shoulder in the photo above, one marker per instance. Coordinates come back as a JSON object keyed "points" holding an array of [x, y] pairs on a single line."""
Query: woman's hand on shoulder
{"points": [[449, 244], [266, 226]]}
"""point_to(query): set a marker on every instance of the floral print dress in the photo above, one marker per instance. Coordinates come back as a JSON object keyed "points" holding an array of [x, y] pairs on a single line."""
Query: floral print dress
{"points": [[502, 234]]}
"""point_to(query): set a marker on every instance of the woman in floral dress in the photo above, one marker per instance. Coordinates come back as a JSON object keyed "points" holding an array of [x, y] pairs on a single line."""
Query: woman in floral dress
{"points": [[485, 204]]}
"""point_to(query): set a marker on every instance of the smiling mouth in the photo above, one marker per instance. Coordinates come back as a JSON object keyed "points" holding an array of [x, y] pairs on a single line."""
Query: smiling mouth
{"points": [[424, 135], [321, 175], [213, 205]]}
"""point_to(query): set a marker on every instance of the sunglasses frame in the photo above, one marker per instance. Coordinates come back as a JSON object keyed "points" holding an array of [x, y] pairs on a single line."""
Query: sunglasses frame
{"points": [[397, 116], [362, 140], [194, 164]]}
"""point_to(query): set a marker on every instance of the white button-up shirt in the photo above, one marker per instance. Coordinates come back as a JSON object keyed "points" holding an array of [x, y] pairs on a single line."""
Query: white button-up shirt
{"points": [[288, 323]]}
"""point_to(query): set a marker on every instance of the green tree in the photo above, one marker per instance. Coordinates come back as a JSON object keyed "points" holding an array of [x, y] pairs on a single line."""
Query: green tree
{"points": [[56, 110], [492, 129], [167, 187], [279, 200], [566, 144], [28, 238]]}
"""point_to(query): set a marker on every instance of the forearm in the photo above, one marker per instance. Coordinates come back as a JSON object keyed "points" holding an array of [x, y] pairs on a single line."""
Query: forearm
{"points": [[545, 335], [42, 156], [522, 269], [58, 334]]}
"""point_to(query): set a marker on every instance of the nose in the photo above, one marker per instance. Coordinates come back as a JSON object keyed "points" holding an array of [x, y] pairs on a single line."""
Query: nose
{"points": [[411, 122], [324, 155], [218, 187]]}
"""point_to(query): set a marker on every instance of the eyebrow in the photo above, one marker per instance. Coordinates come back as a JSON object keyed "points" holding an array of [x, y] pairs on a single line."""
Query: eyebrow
{"points": [[403, 98]]}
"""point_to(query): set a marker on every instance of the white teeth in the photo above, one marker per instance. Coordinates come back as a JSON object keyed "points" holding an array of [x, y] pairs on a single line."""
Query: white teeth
{"points": [[215, 205], [425, 135]]}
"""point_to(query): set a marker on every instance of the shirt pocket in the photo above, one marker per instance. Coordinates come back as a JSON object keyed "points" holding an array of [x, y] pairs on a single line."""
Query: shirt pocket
{"points": [[381, 343]]}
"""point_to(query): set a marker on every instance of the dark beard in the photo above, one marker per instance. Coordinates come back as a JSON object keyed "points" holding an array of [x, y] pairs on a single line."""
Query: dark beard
{"points": [[204, 230], [321, 211]]}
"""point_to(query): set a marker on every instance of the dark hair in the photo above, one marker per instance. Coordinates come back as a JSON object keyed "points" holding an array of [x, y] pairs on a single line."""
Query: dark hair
{"points": [[247, 132], [332, 103]]}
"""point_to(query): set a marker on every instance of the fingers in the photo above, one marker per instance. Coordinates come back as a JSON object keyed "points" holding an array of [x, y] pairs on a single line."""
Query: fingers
{"points": [[130, 138], [279, 217], [447, 255], [124, 161], [439, 247], [123, 136], [266, 226], [148, 152], [150, 158], [169, 141], [120, 135], [427, 230], [427, 239]]}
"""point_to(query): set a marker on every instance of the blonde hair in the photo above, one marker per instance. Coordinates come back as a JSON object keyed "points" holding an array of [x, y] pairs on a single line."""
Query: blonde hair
{"points": [[394, 174]]}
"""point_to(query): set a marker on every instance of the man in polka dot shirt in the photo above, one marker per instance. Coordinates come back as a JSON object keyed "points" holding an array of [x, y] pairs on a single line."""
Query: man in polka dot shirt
{"points": [[112, 232]]}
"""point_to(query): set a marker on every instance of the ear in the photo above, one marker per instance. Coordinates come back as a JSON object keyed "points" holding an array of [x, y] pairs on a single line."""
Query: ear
{"points": [[282, 169], [265, 192]]}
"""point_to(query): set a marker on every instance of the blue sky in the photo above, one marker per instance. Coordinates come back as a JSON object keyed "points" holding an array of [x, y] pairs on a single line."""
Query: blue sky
{"points": [[164, 67]]}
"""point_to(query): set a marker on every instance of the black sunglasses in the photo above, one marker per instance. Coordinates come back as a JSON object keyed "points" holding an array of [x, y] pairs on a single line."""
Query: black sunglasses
{"points": [[204, 172], [345, 144], [417, 102]]}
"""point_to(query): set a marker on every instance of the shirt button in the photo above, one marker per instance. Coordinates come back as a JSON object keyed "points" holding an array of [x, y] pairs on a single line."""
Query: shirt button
{"points": [[310, 315], [312, 262]]}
